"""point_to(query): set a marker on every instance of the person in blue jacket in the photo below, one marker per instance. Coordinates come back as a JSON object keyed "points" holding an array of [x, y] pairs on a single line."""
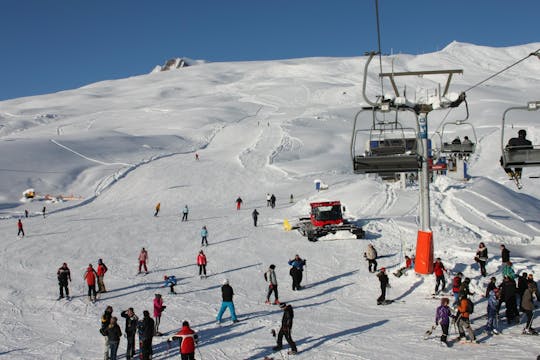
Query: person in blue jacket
{"points": [[170, 281], [297, 267], [204, 236]]}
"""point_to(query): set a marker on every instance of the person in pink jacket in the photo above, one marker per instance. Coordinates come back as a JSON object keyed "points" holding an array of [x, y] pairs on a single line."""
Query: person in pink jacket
{"points": [[158, 309], [143, 257], [201, 261]]}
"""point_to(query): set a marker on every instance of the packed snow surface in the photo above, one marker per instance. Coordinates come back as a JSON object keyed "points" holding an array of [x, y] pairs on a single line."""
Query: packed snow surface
{"points": [[108, 152]]}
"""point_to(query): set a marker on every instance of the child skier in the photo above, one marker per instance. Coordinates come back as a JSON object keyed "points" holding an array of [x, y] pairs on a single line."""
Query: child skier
{"points": [[442, 317], [492, 312], [170, 281], [238, 203]]}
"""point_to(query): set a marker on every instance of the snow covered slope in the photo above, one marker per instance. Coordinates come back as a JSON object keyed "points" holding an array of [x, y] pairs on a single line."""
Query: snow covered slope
{"points": [[258, 127]]}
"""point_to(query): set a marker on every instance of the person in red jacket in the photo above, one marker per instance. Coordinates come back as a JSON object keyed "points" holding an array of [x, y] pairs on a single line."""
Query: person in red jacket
{"points": [[456, 284], [158, 309], [20, 227], [143, 257], [188, 340], [238, 203], [201, 261], [439, 270], [101, 270], [91, 276]]}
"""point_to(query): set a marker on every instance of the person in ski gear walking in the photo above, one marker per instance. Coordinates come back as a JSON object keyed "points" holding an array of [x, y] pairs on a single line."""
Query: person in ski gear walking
{"points": [[508, 270], [188, 341], [143, 258], [64, 275], [371, 256], [145, 329], [384, 282], [286, 329], [270, 276], [201, 262], [130, 331], [255, 215], [91, 277], [481, 258], [273, 201], [439, 270], [26, 213], [517, 143], [158, 207], [291, 199], [197, 156], [158, 309], [442, 317], [493, 302], [43, 211], [227, 294], [463, 321], [204, 236], [20, 227], [464, 289], [505, 255], [170, 281], [508, 296], [238, 203], [528, 307], [105, 322], [268, 200], [456, 285], [113, 334], [185, 213], [101, 270], [297, 268], [404, 269]]}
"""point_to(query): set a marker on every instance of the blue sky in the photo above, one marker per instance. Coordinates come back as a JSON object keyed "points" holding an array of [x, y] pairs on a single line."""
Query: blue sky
{"points": [[53, 45]]}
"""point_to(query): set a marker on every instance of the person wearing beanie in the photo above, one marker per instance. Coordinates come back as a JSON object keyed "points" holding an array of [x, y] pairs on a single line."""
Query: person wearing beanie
{"points": [[285, 329], [384, 282], [227, 294], [270, 276], [188, 340]]}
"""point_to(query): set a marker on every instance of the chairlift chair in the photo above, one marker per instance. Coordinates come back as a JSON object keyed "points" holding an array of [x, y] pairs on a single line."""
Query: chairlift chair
{"points": [[463, 148], [519, 156]]}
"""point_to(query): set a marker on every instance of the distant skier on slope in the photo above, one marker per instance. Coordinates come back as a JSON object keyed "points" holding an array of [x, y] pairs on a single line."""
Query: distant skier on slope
{"points": [[204, 236], [270, 276], [170, 281], [227, 294], [64, 275], [384, 283], [286, 329], [297, 267], [143, 258], [101, 270], [201, 263], [158, 207], [255, 215], [439, 270], [238, 203], [273, 201], [91, 278], [268, 199], [371, 256], [43, 211], [185, 213], [20, 227]]}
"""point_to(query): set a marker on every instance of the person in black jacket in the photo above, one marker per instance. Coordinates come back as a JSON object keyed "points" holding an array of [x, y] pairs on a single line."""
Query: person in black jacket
{"points": [[255, 215], [105, 322], [146, 332], [227, 294], [517, 143], [113, 334], [481, 258], [505, 254], [521, 287], [383, 279], [131, 330], [63, 275], [508, 296], [285, 329]]}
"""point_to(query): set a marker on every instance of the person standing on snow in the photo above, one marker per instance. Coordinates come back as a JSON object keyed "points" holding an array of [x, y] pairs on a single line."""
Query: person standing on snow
{"points": [[158, 207], [170, 281], [158, 309], [456, 285], [227, 294], [20, 227], [113, 335], [528, 307], [508, 270], [185, 213], [143, 258], [463, 321], [273, 201], [43, 211], [268, 199], [188, 340], [105, 322], [505, 255], [439, 270], [204, 236], [384, 282], [145, 328], [285, 329], [255, 215], [64, 275], [371, 256], [201, 262], [493, 303], [442, 317], [101, 270], [297, 268], [481, 258], [130, 331], [91, 277], [238, 203], [270, 275]]}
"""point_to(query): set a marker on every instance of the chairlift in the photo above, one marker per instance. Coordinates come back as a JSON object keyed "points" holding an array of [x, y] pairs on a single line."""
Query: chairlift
{"points": [[463, 147], [519, 156]]}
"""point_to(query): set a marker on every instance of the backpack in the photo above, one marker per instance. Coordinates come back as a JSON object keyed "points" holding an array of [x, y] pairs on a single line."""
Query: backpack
{"points": [[470, 306]]}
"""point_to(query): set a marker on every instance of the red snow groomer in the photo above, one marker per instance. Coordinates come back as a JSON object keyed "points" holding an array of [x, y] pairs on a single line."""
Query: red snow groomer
{"points": [[325, 218]]}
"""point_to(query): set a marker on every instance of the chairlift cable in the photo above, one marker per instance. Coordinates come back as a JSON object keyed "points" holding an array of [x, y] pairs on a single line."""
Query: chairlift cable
{"points": [[379, 43]]}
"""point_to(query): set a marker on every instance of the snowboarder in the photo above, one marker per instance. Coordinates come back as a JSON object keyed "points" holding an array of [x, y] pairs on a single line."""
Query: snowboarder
{"points": [[185, 213], [384, 282], [143, 258], [255, 215], [145, 329], [519, 143], [113, 335], [273, 201], [297, 267], [463, 321], [505, 255], [130, 331], [91, 276], [238, 203], [64, 275], [270, 276], [268, 200], [285, 329], [371, 256], [204, 236], [20, 227], [528, 307], [442, 317], [403, 270], [158, 207], [493, 302], [439, 270], [170, 281], [105, 322], [481, 258], [101, 270], [188, 340], [201, 262], [227, 294], [456, 285], [43, 211], [158, 309]]}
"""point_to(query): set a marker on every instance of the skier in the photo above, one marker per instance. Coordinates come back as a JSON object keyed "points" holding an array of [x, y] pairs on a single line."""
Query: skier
{"points": [[201, 262], [297, 267], [371, 256], [255, 215], [101, 270], [20, 227], [204, 236], [456, 285], [188, 340], [519, 143], [522, 285], [291, 199], [268, 199], [227, 294], [170, 281], [491, 285], [508, 270], [505, 254], [403, 270], [43, 211], [481, 258], [158, 309], [439, 270], [270, 275], [238, 203], [463, 321], [113, 335], [493, 302], [185, 213], [508, 296], [464, 289], [25, 213], [143, 258], [528, 307], [273, 201], [91, 276], [130, 331], [63, 275], [442, 317], [105, 322], [285, 329], [196, 156], [158, 207], [384, 282], [145, 329]]}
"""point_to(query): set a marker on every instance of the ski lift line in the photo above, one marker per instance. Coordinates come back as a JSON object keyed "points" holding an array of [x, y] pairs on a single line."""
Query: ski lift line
{"points": [[535, 53]]}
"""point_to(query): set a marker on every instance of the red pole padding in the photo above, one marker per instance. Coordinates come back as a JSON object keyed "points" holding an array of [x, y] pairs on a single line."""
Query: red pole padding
{"points": [[423, 263]]}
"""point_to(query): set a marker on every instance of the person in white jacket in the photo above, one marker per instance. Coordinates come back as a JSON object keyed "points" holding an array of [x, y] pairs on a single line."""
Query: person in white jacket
{"points": [[371, 256], [270, 276]]}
